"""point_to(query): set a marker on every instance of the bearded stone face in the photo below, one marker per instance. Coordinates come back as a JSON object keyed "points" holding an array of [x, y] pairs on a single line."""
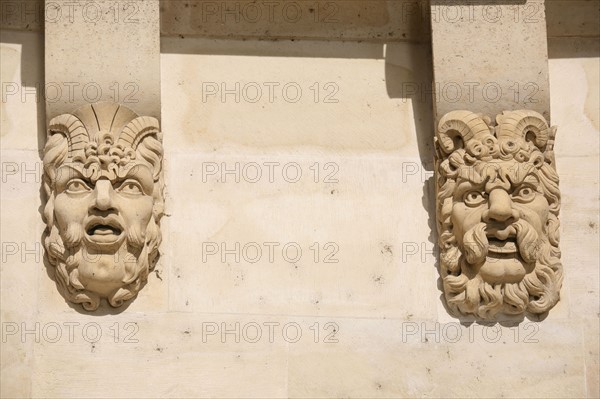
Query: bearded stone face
{"points": [[499, 223], [104, 202], [108, 218], [498, 204]]}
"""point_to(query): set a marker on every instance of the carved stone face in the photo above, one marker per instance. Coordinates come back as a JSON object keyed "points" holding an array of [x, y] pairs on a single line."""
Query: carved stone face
{"points": [[497, 207], [104, 204], [107, 212], [514, 212]]}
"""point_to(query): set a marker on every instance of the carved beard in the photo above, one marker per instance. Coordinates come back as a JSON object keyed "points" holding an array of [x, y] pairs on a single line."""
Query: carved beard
{"points": [[127, 267], [467, 292], [476, 243]]}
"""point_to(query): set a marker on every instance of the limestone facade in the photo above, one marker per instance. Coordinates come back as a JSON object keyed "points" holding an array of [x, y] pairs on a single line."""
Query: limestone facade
{"points": [[299, 253]]}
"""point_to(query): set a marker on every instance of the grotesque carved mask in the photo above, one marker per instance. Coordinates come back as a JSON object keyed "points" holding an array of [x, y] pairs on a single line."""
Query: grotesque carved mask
{"points": [[103, 182], [497, 210]]}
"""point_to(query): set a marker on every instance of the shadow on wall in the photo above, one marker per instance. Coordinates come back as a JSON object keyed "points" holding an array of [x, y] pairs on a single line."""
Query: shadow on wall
{"points": [[335, 20], [30, 77], [408, 75], [408, 71], [573, 47]]}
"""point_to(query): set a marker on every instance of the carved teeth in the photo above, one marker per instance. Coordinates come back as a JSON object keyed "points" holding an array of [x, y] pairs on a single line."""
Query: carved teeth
{"points": [[507, 246], [102, 229]]}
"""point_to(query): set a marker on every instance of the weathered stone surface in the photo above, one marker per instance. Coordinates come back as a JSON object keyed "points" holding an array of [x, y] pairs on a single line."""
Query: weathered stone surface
{"points": [[383, 95], [103, 182], [22, 105], [380, 21], [102, 51], [370, 360], [498, 202], [381, 202], [505, 69]]}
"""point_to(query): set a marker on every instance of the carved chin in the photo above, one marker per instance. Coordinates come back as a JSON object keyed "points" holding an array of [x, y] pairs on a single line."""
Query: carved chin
{"points": [[504, 268], [103, 273]]}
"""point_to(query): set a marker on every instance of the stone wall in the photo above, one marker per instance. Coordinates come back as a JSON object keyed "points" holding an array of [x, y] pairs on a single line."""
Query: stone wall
{"points": [[276, 284]]}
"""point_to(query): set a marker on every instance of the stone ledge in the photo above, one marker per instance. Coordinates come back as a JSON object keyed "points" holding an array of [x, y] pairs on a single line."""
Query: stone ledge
{"points": [[374, 20]]}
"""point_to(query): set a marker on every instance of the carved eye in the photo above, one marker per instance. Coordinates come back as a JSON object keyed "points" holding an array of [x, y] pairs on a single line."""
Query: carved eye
{"points": [[130, 187], [474, 198], [77, 186], [524, 194]]}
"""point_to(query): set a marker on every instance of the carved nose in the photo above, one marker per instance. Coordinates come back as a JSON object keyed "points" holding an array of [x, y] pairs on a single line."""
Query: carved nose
{"points": [[500, 208], [103, 195]]}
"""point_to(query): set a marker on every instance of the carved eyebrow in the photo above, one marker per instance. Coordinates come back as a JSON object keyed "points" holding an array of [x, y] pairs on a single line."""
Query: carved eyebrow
{"points": [[138, 171], [472, 176], [141, 174], [531, 179], [466, 185], [522, 175], [68, 172]]}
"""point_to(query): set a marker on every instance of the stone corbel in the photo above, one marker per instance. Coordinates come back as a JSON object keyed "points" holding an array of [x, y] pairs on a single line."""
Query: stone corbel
{"points": [[103, 180], [498, 203], [103, 175]]}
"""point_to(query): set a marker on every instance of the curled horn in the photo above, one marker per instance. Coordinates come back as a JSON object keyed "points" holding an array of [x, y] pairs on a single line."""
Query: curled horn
{"points": [[457, 126], [520, 124], [72, 128], [136, 130]]}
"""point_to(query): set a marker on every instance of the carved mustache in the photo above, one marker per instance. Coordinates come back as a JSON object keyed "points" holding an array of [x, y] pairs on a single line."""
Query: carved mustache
{"points": [[73, 236], [476, 242]]}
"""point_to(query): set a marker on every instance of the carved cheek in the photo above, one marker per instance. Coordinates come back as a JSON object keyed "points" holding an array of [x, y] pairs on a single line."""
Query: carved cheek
{"points": [[535, 213], [136, 210], [464, 218], [69, 209]]}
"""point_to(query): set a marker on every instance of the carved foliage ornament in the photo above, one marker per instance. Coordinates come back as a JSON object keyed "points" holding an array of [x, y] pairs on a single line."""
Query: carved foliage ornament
{"points": [[103, 184], [498, 202]]}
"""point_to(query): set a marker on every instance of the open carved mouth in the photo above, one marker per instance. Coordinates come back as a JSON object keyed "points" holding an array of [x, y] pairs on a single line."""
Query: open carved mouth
{"points": [[503, 247], [104, 230]]}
